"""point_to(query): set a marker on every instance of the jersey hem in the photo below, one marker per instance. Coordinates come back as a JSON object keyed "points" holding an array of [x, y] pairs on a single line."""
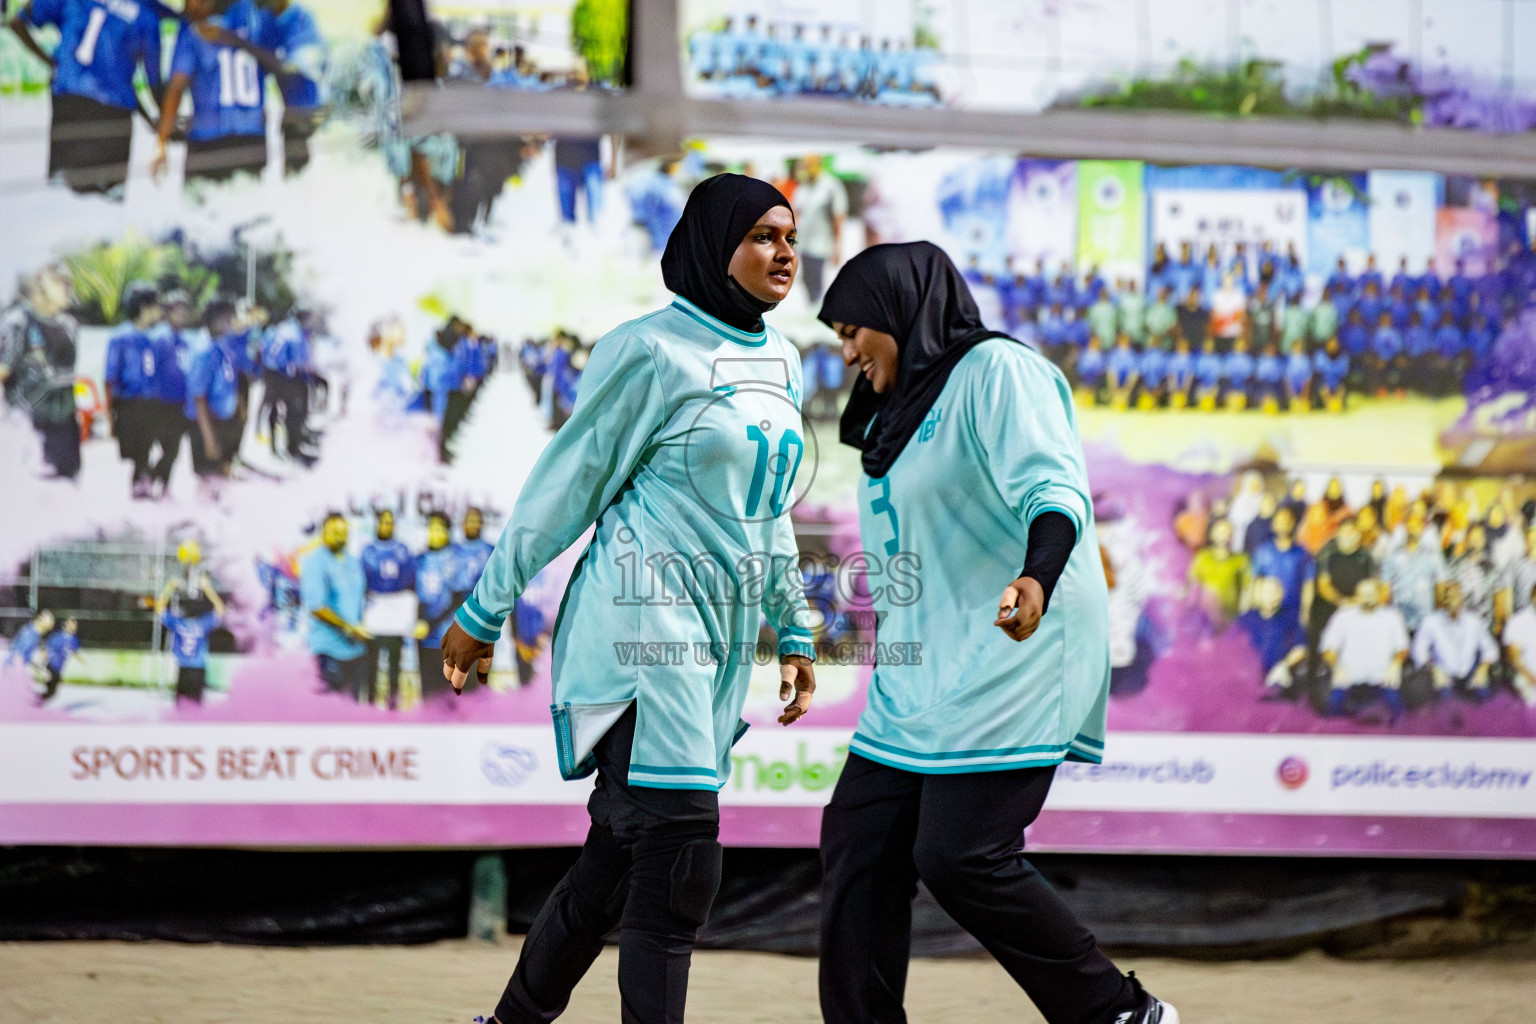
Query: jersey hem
{"points": [[928, 768], [959, 761], [706, 787], [648, 776]]}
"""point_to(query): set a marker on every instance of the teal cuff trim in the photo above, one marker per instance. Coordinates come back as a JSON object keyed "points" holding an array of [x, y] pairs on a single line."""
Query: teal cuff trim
{"points": [[741, 730], [479, 623], [1054, 507], [707, 787], [802, 648]]}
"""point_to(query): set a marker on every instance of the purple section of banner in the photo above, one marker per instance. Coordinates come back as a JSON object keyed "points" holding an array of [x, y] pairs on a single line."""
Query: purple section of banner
{"points": [[355, 825]]}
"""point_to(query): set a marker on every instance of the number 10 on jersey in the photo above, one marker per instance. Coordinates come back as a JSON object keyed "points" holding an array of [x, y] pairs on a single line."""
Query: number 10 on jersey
{"points": [[783, 463]]}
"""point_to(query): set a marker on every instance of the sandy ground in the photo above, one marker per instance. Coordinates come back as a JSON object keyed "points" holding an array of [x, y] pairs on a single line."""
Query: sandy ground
{"points": [[451, 982]]}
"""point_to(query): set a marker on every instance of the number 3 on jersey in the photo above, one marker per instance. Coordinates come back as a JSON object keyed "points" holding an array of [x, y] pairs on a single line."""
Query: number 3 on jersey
{"points": [[784, 469], [880, 504]]}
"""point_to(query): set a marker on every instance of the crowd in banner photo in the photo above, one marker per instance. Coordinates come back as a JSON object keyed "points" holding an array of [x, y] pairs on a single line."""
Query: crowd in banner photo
{"points": [[454, 181], [745, 59], [1404, 600], [173, 368], [222, 57], [446, 382], [372, 611], [552, 367], [459, 360], [489, 53], [1242, 331]]}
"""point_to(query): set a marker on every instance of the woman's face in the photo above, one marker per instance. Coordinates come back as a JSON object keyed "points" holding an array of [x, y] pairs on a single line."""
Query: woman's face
{"points": [[765, 262], [874, 351]]}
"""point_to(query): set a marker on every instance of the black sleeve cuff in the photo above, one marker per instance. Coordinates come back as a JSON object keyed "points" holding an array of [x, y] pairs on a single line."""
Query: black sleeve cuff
{"points": [[1052, 536]]}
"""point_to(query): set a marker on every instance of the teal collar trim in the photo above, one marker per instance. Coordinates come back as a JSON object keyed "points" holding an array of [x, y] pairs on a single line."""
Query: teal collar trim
{"points": [[725, 330]]}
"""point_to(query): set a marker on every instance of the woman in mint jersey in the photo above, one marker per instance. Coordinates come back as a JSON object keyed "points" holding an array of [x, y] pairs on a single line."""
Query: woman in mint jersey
{"points": [[682, 449], [972, 470]]}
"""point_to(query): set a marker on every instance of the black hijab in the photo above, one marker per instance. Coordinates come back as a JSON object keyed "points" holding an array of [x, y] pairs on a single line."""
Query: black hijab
{"points": [[720, 212], [914, 293]]}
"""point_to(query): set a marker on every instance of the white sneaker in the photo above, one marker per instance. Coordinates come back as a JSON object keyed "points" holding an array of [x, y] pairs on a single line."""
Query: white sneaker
{"points": [[1151, 1010]]}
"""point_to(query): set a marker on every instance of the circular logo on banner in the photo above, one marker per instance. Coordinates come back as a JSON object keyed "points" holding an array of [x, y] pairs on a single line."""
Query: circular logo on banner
{"points": [[1404, 199], [1336, 197], [1110, 192], [1293, 773]]}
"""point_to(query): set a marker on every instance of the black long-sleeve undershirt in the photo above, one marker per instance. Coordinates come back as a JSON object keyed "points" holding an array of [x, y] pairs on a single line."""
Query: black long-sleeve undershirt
{"points": [[1052, 536]]}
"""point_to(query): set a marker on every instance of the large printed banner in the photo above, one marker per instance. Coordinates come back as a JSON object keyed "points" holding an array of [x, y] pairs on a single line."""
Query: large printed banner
{"points": [[490, 785], [1315, 512]]}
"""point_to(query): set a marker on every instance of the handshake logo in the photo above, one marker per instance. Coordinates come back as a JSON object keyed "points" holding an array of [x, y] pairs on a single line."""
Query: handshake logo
{"points": [[506, 765]]}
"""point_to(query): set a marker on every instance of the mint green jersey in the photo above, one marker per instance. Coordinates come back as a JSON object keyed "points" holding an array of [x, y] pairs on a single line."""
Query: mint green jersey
{"points": [[1293, 325], [1103, 320], [1133, 315], [682, 448], [1324, 321], [1160, 320], [998, 447]]}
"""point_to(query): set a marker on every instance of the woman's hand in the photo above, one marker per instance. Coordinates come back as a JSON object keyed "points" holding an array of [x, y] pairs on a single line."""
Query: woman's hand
{"points": [[1020, 608], [797, 675], [462, 654]]}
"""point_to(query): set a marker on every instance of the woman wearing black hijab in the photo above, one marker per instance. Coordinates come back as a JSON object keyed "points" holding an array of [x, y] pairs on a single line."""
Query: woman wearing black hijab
{"points": [[681, 449], [972, 470]]}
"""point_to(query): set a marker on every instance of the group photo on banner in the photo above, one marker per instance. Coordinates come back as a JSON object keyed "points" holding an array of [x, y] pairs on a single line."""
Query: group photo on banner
{"points": [[1428, 63]]}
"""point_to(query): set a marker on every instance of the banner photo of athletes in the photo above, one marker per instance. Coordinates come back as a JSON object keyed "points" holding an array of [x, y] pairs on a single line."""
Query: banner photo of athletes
{"points": [[261, 429], [1432, 63]]}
